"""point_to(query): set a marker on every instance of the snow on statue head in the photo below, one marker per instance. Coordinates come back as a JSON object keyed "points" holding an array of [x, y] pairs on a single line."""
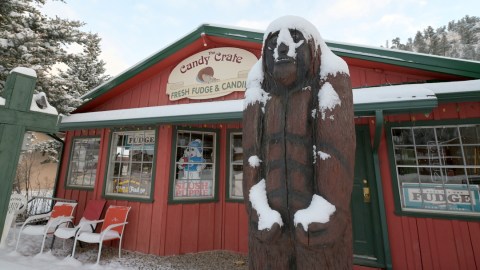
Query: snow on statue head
{"points": [[192, 162], [299, 143]]}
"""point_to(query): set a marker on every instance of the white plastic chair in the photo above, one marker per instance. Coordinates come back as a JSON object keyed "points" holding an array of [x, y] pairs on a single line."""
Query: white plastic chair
{"points": [[18, 204], [92, 212], [112, 228], [61, 215]]}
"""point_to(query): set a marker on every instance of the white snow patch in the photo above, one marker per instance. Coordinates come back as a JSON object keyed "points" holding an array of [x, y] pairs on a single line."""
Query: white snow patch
{"points": [[394, 93], [158, 112], [254, 161], [39, 97], [70, 261], [327, 99], [411, 92], [25, 71], [319, 210], [323, 155], [314, 154], [266, 215], [27, 257], [285, 38], [254, 92], [314, 113], [2, 101], [95, 237], [331, 64]]}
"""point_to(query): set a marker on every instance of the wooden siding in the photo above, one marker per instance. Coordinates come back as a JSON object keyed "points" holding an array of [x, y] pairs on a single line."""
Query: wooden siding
{"points": [[430, 243], [151, 91], [169, 229]]}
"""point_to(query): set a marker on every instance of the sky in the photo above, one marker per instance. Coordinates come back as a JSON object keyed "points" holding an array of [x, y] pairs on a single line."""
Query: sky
{"points": [[132, 30]]}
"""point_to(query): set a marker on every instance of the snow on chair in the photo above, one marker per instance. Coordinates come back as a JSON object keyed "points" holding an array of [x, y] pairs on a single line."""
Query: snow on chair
{"points": [[92, 212], [112, 228], [60, 215], [18, 203]]}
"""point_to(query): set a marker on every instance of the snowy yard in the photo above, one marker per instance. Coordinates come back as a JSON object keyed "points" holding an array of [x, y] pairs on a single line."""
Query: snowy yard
{"points": [[27, 257]]}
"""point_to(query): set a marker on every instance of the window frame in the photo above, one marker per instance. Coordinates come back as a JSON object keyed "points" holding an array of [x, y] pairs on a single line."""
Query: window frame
{"points": [[129, 197], [67, 184], [422, 212], [173, 161], [228, 182]]}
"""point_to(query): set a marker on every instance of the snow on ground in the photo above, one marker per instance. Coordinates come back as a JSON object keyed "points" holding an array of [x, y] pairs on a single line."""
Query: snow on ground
{"points": [[58, 258], [27, 258]]}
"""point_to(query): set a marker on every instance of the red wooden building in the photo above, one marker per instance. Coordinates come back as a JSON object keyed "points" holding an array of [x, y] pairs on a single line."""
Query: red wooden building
{"points": [[416, 194]]}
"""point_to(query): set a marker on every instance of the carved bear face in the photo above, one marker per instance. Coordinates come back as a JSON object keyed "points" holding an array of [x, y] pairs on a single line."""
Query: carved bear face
{"points": [[287, 57]]}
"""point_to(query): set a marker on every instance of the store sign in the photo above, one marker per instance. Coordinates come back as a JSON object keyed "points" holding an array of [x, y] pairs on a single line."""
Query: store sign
{"points": [[139, 140], [211, 73], [441, 197], [193, 188]]}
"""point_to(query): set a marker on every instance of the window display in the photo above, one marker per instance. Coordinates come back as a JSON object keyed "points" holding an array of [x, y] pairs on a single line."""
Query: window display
{"points": [[82, 169], [438, 168], [194, 165], [235, 168], [130, 169]]}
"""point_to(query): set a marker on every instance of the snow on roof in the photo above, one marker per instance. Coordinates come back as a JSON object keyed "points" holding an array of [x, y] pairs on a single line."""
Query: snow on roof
{"points": [[26, 71], [158, 111], [392, 93], [454, 87], [369, 95]]}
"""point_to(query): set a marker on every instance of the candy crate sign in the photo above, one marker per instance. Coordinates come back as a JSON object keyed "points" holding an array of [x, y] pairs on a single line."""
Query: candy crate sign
{"points": [[210, 73]]}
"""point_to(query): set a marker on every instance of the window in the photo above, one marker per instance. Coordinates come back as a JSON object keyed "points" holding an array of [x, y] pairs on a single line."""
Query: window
{"points": [[195, 165], [82, 169], [130, 169], [438, 168], [235, 166]]}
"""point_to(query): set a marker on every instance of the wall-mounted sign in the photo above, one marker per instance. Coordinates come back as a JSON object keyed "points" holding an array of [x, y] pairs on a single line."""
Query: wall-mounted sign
{"points": [[211, 73], [441, 197]]}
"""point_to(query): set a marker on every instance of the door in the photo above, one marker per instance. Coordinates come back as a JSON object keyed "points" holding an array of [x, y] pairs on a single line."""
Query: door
{"points": [[367, 235]]}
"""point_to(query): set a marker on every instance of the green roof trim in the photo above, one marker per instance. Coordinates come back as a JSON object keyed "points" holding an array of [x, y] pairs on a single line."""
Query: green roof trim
{"points": [[409, 106], [454, 66], [458, 67], [458, 97]]}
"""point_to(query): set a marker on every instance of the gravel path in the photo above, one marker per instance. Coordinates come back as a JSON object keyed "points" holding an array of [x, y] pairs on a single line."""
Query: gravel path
{"points": [[211, 260]]}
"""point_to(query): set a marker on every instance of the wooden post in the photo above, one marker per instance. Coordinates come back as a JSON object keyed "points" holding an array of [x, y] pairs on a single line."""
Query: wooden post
{"points": [[15, 119]]}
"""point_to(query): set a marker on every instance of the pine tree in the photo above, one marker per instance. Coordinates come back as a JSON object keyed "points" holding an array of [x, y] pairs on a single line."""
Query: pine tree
{"points": [[419, 44], [85, 71], [458, 39], [30, 39]]}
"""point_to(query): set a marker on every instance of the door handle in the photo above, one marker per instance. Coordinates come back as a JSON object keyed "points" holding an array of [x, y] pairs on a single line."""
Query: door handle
{"points": [[366, 191]]}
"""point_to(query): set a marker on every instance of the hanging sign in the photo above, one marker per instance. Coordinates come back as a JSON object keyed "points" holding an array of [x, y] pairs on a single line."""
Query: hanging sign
{"points": [[211, 73]]}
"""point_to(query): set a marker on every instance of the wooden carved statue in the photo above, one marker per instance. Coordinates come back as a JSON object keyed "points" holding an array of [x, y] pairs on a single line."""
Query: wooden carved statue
{"points": [[299, 150]]}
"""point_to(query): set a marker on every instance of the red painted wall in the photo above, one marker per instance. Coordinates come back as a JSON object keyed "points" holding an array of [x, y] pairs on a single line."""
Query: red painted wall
{"points": [[428, 243], [168, 229], [165, 229]]}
